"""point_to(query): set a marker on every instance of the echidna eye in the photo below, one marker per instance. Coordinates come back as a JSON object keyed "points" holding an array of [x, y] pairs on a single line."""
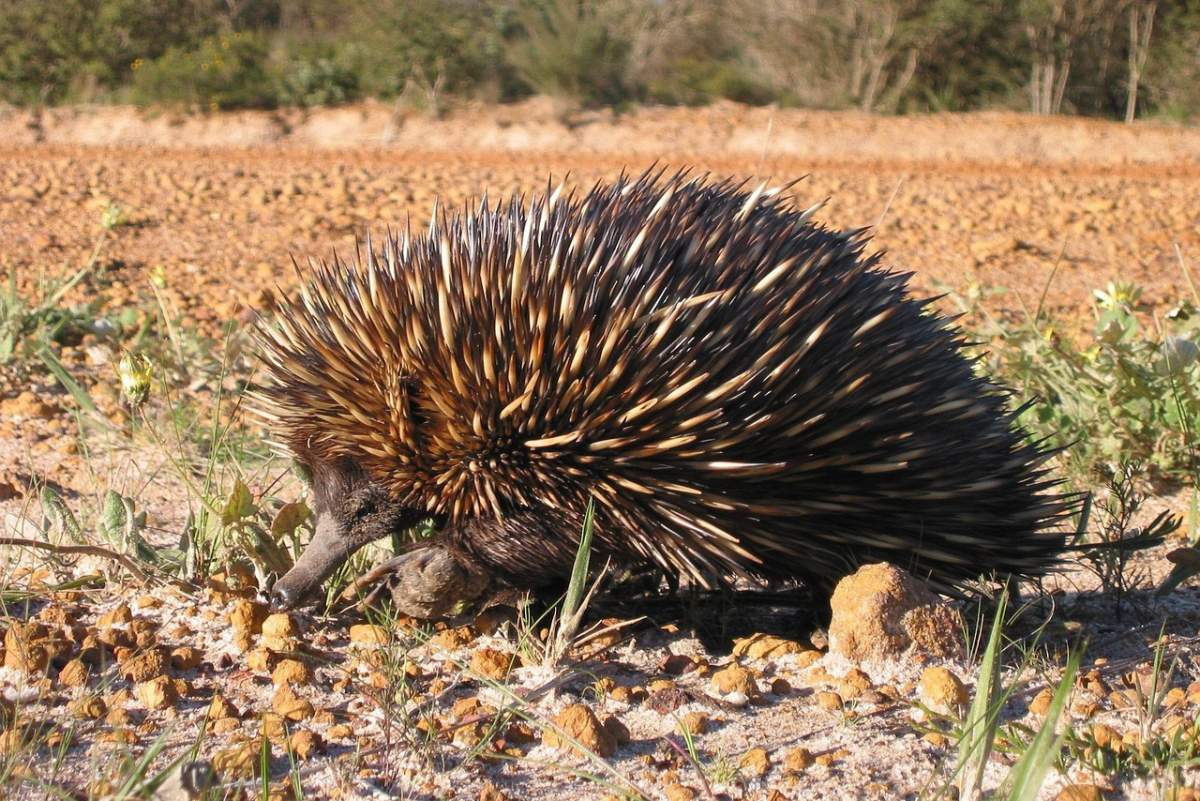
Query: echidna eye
{"points": [[359, 505]]}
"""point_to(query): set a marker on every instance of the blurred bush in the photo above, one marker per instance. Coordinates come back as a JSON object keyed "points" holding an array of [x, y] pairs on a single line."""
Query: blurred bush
{"points": [[221, 72], [576, 51], [317, 76]]}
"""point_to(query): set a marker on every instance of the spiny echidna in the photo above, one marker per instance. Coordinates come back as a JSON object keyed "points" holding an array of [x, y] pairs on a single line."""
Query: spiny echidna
{"points": [[740, 391]]}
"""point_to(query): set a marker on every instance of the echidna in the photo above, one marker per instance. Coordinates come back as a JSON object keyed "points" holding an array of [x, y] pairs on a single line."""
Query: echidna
{"points": [[740, 391]]}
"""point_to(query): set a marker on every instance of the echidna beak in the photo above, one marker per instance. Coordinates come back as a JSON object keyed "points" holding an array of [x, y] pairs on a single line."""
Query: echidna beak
{"points": [[326, 552]]}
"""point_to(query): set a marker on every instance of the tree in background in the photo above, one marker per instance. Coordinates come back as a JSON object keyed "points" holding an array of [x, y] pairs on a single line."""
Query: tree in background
{"points": [[887, 37], [1113, 58], [1141, 26], [1056, 29]]}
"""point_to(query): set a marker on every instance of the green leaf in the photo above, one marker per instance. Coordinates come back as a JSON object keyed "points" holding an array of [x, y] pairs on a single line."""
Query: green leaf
{"points": [[289, 518], [115, 518], [60, 518], [239, 506], [579, 571], [263, 550]]}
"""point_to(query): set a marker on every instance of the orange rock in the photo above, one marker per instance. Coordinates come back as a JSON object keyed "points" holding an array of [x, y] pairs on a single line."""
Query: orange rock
{"points": [[74, 674], [144, 665], [755, 763], [693, 723], [451, 639], [827, 759], [220, 707], [677, 664], [287, 704], [854, 684], [157, 693], [280, 625], [679, 792], [24, 647], [223, 725], [1040, 704], [734, 678], [247, 617], [490, 663], [767, 646], [942, 691], [90, 707], [341, 731], [261, 660], [935, 738], [186, 658], [797, 760], [880, 612], [578, 724], [291, 671], [617, 730], [239, 761], [830, 701], [118, 616], [490, 792]]}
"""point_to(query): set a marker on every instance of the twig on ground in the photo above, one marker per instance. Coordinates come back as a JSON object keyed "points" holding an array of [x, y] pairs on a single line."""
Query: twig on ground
{"points": [[92, 550]]}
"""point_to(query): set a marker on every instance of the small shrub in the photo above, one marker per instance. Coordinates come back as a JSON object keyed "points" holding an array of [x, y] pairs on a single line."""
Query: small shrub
{"points": [[397, 47], [1108, 554], [1120, 394], [696, 81]]}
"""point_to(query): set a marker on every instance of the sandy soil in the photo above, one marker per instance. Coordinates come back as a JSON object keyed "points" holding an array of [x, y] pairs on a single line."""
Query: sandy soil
{"points": [[216, 207]]}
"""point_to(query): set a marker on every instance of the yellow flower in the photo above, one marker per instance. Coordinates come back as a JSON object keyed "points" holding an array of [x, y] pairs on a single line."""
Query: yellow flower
{"points": [[158, 276], [136, 372], [1118, 295], [113, 216]]}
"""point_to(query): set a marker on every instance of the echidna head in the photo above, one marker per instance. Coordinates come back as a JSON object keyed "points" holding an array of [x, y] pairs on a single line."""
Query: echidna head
{"points": [[351, 510]]}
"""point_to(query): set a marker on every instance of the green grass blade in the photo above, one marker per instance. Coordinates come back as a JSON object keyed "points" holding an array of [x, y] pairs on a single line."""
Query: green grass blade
{"points": [[979, 727], [264, 768], [1029, 774], [579, 571], [57, 369]]}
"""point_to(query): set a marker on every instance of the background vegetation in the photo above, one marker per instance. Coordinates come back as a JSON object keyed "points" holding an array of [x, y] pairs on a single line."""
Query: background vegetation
{"points": [[1111, 58]]}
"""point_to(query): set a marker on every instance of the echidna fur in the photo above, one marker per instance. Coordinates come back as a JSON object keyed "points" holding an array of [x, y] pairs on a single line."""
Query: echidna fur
{"points": [[740, 391]]}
